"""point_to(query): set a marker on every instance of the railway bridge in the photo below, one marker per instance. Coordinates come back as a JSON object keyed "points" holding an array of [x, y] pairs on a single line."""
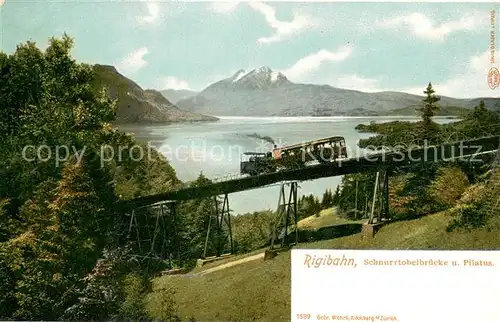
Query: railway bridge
{"points": [[159, 238]]}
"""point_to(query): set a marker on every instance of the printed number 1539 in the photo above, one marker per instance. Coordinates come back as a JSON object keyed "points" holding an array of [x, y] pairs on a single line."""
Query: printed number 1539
{"points": [[303, 316]]}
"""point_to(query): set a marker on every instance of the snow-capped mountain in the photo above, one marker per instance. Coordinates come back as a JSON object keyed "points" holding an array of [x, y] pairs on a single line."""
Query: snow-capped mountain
{"points": [[260, 78]]}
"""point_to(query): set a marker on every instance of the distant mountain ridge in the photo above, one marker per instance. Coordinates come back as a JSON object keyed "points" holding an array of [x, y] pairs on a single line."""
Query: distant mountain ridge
{"points": [[175, 95], [136, 105], [264, 92]]}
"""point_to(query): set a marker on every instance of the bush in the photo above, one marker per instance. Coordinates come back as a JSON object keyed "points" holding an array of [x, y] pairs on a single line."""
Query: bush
{"points": [[168, 307], [100, 295], [448, 186], [398, 201], [161, 303], [134, 289], [252, 231], [480, 206], [7, 299], [472, 194], [468, 217]]}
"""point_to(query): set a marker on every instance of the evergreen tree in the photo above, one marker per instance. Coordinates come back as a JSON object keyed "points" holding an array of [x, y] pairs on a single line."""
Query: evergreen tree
{"points": [[336, 196], [68, 224], [317, 206], [326, 201], [427, 129], [303, 207], [480, 111], [195, 216], [481, 122]]}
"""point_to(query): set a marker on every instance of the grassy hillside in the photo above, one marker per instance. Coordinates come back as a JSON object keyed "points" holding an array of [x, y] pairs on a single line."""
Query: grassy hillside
{"points": [[260, 291], [327, 217], [136, 105]]}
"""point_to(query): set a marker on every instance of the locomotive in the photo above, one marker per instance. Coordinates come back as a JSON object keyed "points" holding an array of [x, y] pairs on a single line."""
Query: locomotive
{"points": [[293, 156]]}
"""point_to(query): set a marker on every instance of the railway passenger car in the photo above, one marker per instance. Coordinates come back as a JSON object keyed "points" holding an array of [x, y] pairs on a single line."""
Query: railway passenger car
{"points": [[293, 156]]}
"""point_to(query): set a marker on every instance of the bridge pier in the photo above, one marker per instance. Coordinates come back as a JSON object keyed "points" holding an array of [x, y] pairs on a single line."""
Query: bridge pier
{"points": [[380, 204], [153, 231], [286, 216], [380, 201], [219, 223]]}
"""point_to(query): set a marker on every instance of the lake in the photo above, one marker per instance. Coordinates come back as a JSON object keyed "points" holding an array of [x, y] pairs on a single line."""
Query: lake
{"points": [[215, 149]]}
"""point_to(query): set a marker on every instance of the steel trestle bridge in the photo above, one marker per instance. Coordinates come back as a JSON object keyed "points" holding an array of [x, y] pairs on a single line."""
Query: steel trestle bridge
{"points": [[471, 151]]}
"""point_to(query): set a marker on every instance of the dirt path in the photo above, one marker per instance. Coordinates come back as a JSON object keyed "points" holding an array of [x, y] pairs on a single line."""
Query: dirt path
{"points": [[234, 263]]}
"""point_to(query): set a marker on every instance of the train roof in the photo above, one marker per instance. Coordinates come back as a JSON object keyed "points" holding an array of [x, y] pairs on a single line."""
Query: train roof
{"points": [[325, 140], [254, 153]]}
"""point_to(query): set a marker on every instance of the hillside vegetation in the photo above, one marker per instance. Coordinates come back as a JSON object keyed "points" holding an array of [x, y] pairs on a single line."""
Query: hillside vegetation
{"points": [[65, 252]]}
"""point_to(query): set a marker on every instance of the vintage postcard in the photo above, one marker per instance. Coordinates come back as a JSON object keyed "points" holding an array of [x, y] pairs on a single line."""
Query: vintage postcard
{"points": [[249, 161]]}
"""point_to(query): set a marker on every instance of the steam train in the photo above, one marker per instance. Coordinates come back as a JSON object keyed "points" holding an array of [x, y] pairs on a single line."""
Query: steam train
{"points": [[293, 156]]}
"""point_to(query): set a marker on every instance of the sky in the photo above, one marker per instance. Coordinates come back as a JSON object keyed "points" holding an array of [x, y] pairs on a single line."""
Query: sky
{"points": [[188, 45]]}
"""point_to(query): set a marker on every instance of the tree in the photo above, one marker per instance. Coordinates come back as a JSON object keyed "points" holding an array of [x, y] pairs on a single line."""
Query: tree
{"points": [[448, 186], [481, 122], [68, 224], [47, 99], [317, 206], [302, 208], [194, 218], [430, 107], [251, 231], [427, 129], [479, 111], [327, 200], [336, 196]]}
